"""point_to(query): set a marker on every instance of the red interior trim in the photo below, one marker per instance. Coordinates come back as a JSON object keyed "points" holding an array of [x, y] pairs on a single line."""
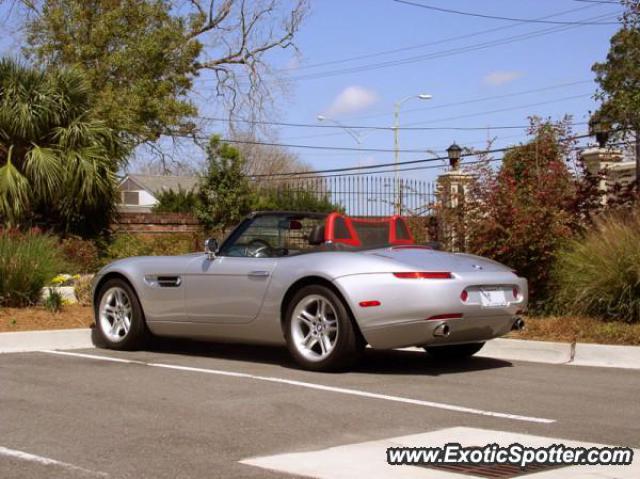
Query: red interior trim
{"points": [[354, 239], [393, 232], [330, 230]]}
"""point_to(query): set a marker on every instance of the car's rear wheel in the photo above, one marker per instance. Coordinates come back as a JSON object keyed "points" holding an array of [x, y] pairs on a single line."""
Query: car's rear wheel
{"points": [[455, 351], [119, 317], [319, 330]]}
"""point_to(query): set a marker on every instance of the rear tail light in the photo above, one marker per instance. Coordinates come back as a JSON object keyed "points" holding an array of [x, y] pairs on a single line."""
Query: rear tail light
{"points": [[464, 295], [516, 292], [446, 316], [424, 275]]}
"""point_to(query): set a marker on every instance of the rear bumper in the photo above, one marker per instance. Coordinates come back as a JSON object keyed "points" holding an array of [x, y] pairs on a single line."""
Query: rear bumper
{"points": [[405, 304], [421, 333]]}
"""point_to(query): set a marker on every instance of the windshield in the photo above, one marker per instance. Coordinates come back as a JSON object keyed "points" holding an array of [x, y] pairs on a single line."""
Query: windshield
{"points": [[274, 235]]}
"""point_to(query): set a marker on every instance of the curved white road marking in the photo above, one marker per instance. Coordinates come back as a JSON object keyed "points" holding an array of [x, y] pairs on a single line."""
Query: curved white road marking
{"points": [[321, 387], [46, 461]]}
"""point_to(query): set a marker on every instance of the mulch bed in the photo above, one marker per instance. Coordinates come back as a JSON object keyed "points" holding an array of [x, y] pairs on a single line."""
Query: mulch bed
{"points": [[36, 318], [568, 329]]}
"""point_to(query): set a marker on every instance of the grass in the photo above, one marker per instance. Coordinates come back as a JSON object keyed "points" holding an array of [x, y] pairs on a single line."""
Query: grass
{"points": [[599, 275], [27, 262], [579, 329]]}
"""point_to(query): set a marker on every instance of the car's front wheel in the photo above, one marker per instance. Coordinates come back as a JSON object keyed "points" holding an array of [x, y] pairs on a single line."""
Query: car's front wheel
{"points": [[319, 331], [456, 351], [119, 317]]}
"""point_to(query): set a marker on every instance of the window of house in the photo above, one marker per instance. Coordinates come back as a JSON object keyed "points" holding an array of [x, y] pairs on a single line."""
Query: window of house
{"points": [[131, 197]]}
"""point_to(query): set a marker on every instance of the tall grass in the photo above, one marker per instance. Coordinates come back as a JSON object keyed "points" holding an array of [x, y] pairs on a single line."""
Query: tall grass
{"points": [[27, 262], [599, 275]]}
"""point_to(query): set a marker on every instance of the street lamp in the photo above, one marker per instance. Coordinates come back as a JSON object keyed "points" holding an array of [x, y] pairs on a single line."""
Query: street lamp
{"points": [[352, 133], [454, 152], [396, 139]]}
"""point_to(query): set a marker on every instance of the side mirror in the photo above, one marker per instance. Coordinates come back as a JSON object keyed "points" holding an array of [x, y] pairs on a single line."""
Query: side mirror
{"points": [[211, 247]]}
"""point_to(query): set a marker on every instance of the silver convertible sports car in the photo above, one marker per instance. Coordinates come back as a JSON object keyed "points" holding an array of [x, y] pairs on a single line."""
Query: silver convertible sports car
{"points": [[326, 285]]}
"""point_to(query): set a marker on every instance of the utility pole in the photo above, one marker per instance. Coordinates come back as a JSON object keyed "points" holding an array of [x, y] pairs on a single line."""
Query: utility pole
{"points": [[396, 146]]}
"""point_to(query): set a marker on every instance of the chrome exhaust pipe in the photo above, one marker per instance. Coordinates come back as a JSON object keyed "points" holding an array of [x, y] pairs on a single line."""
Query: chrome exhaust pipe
{"points": [[442, 331], [518, 325]]}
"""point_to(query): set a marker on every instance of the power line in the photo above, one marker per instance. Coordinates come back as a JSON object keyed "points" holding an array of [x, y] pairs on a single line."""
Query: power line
{"points": [[500, 110], [415, 168], [428, 44], [371, 127], [410, 162], [312, 147], [604, 2], [494, 17], [442, 53], [419, 45], [480, 100], [475, 114]]}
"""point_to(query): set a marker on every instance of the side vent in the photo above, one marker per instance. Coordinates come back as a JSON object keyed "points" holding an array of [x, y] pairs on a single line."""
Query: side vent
{"points": [[163, 281]]}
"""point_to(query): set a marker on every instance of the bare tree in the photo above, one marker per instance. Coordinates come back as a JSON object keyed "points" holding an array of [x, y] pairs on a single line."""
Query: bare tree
{"points": [[237, 36], [267, 159]]}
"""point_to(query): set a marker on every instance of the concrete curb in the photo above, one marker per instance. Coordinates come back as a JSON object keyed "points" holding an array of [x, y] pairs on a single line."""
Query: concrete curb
{"points": [[607, 356], [25, 341], [580, 354], [526, 350]]}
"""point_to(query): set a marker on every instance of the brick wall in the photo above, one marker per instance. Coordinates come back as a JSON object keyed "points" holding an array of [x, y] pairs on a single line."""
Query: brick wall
{"points": [[150, 223]]}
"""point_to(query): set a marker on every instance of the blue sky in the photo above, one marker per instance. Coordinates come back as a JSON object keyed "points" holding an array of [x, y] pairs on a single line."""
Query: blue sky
{"points": [[337, 30], [494, 58]]}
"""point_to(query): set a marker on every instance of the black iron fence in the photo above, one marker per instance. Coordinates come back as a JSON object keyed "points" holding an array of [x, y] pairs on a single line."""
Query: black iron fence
{"points": [[365, 195]]}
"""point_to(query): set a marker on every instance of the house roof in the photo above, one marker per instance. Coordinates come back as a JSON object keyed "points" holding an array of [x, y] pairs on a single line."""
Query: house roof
{"points": [[156, 184]]}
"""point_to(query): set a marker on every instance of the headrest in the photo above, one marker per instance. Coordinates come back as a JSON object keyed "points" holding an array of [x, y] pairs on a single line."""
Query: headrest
{"points": [[316, 235]]}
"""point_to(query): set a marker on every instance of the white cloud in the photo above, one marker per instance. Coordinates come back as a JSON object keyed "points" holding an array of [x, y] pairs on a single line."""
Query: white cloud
{"points": [[498, 78], [352, 99]]}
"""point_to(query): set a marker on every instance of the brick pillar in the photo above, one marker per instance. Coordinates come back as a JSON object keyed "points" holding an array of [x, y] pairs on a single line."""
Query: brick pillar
{"points": [[452, 189], [610, 166]]}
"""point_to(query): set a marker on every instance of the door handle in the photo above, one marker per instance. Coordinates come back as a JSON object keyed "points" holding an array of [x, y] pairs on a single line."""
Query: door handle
{"points": [[259, 274]]}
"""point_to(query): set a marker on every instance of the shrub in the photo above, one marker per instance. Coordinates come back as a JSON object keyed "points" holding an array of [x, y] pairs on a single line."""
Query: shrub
{"points": [[273, 199], [180, 201], [53, 302], [27, 262], [523, 212], [125, 245], [599, 275], [81, 255], [82, 288]]}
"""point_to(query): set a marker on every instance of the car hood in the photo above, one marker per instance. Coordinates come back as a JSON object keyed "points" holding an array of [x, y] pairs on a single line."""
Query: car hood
{"points": [[422, 259]]}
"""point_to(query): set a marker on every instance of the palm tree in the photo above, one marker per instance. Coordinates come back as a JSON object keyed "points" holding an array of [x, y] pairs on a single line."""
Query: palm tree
{"points": [[57, 162]]}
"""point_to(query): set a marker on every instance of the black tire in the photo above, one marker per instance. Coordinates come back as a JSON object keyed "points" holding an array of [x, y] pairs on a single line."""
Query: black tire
{"points": [[455, 351], [349, 344], [137, 334]]}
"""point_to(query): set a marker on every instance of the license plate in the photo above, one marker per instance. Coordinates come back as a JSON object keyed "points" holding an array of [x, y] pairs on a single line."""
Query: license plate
{"points": [[493, 297]]}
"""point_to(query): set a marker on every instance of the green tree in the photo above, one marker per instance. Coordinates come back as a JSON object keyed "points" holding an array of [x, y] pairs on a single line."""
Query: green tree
{"points": [[619, 76], [141, 55], [224, 194], [57, 162], [135, 54], [522, 213]]}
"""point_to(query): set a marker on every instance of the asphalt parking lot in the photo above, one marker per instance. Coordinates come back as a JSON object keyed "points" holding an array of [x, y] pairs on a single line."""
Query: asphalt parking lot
{"points": [[187, 409]]}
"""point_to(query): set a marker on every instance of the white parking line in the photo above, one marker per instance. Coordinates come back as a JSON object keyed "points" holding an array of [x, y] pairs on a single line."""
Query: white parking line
{"points": [[321, 387], [46, 461]]}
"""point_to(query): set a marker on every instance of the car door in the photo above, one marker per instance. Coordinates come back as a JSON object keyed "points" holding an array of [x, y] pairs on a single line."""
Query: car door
{"points": [[226, 289]]}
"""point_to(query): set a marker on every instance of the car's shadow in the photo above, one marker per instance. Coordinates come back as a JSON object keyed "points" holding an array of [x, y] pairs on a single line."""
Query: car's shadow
{"points": [[394, 362]]}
